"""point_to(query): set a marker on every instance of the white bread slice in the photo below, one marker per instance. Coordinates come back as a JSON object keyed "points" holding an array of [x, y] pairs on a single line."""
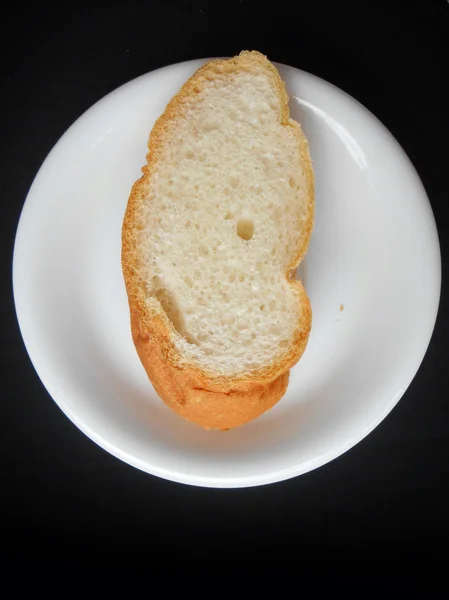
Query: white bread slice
{"points": [[212, 236]]}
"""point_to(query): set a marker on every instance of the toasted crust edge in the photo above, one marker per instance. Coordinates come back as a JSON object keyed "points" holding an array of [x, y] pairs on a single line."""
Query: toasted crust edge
{"points": [[207, 398]]}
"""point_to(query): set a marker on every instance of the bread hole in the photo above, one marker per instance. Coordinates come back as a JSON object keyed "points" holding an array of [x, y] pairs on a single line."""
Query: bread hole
{"points": [[229, 216], [188, 281], [272, 305], [283, 344], [203, 250], [197, 89], [201, 301], [245, 229], [202, 337], [261, 307], [292, 182], [233, 180], [242, 277], [156, 282], [226, 191], [170, 307], [189, 154], [170, 182], [208, 351], [232, 277]]}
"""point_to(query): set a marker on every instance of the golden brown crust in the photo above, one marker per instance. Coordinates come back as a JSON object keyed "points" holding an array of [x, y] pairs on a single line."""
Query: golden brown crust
{"points": [[208, 398], [189, 393]]}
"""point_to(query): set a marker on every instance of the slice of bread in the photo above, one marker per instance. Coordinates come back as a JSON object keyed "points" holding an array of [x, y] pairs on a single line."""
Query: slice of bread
{"points": [[212, 236]]}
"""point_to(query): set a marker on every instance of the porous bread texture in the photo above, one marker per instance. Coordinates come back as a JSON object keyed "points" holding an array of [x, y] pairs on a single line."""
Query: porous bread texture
{"points": [[213, 233]]}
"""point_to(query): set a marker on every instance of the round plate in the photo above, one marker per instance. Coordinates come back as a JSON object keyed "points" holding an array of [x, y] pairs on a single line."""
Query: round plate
{"points": [[372, 272]]}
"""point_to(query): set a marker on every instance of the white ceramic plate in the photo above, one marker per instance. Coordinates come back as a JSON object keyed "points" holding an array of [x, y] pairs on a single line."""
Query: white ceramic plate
{"points": [[372, 273]]}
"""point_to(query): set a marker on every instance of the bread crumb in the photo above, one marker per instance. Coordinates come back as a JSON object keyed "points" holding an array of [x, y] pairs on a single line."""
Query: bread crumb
{"points": [[342, 307]]}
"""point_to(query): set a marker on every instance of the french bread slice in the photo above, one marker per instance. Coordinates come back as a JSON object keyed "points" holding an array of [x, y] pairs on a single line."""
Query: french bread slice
{"points": [[212, 236]]}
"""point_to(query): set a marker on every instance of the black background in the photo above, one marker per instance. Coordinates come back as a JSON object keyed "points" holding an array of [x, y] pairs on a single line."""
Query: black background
{"points": [[66, 499]]}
